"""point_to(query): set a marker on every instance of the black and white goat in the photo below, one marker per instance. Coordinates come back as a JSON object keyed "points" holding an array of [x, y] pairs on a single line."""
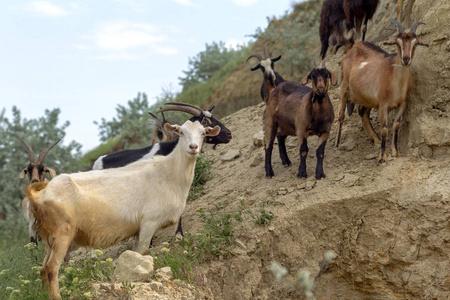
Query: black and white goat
{"points": [[125, 157], [270, 76]]}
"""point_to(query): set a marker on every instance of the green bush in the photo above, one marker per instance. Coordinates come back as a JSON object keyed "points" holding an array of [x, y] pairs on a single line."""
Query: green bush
{"points": [[201, 176]]}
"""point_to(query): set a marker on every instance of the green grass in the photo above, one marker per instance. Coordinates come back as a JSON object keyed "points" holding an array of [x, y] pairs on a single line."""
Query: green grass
{"points": [[201, 176], [20, 265], [214, 240], [264, 217]]}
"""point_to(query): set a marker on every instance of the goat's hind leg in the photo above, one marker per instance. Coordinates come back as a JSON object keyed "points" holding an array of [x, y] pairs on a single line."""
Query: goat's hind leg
{"points": [[396, 128], [364, 112], [50, 271], [342, 105], [283, 152], [383, 119], [303, 155]]}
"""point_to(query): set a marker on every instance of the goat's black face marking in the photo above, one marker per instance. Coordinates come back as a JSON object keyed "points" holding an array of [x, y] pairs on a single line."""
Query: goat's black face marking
{"points": [[223, 137]]}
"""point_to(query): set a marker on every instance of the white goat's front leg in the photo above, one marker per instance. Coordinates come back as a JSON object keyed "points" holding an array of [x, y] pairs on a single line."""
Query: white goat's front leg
{"points": [[146, 232]]}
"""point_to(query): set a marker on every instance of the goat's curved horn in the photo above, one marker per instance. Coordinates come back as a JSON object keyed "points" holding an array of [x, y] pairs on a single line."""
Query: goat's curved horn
{"points": [[258, 57], [415, 25], [184, 104], [44, 152], [28, 148], [398, 26], [158, 121], [163, 117], [275, 59], [187, 109]]}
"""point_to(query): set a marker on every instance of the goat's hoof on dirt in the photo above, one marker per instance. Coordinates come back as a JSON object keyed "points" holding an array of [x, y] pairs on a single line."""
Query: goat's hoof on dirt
{"points": [[287, 164], [320, 176], [270, 174], [302, 175]]}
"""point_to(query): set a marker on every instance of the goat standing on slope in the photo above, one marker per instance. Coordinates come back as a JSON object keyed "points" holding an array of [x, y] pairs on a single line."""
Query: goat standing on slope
{"points": [[373, 78], [301, 113], [168, 141], [102, 207]]}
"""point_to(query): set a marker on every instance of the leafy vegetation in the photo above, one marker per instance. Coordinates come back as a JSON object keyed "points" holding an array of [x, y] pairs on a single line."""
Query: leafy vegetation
{"points": [[214, 240], [201, 176], [264, 217], [20, 266]]}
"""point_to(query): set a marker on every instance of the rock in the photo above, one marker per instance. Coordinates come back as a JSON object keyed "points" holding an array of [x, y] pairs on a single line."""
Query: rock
{"points": [[156, 286], [230, 155], [350, 180], [282, 191], [258, 139], [370, 156], [348, 145], [310, 184], [164, 273], [132, 266], [425, 151], [164, 250]]}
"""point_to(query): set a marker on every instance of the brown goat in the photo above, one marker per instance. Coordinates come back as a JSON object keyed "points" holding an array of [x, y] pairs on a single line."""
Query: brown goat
{"points": [[36, 172], [300, 111], [373, 78], [158, 133]]}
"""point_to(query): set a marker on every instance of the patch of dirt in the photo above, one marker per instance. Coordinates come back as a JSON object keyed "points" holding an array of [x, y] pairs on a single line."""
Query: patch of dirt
{"points": [[389, 224]]}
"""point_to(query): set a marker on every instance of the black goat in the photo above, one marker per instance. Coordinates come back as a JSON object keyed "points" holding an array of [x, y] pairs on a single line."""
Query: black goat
{"points": [[125, 157], [270, 76], [340, 16]]}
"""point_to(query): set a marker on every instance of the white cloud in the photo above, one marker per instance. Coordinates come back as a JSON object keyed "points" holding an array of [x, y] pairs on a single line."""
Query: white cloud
{"points": [[124, 40], [184, 2], [46, 8], [245, 2]]}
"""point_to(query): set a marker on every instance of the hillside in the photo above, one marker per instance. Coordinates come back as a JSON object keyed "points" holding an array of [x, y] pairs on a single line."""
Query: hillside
{"points": [[389, 224]]}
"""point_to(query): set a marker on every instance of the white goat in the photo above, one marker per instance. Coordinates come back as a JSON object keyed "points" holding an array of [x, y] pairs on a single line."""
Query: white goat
{"points": [[101, 207]]}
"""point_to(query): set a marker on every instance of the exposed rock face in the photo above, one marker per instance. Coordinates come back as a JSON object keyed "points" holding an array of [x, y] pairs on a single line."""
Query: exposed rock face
{"points": [[132, 266]]}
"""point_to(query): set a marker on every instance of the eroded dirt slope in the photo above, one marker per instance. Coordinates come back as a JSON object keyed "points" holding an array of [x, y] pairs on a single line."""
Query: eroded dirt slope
{"points": [[389, 224]]}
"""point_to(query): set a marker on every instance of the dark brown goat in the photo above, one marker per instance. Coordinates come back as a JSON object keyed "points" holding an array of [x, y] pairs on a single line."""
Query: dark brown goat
{"points": [[339, 16], [300, 111]]}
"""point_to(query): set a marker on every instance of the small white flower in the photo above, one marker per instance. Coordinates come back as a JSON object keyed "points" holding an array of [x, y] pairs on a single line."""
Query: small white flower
{"points": [[329, 256], [278, 270]]}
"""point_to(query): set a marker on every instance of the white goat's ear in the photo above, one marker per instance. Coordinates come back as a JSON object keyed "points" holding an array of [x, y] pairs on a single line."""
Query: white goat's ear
{"points": [[212, 131], [172, 128], [23, 173], [50, 171]]}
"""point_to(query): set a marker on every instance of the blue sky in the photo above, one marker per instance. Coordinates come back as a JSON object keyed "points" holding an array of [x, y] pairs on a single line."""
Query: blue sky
{"points": [[87, 56]]}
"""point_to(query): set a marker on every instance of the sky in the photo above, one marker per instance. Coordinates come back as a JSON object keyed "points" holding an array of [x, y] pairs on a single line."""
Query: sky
{"points": [[87, 56]]}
